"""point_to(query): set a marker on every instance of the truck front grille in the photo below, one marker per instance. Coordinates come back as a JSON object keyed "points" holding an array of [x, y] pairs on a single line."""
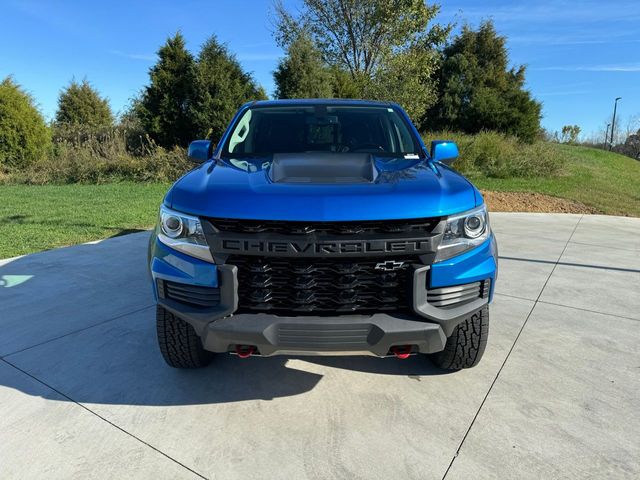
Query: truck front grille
{"points": [[419, 225], [323, 286]]}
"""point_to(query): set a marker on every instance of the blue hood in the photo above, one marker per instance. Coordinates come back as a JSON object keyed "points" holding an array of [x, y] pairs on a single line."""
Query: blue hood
{"points": [[244, 189]]}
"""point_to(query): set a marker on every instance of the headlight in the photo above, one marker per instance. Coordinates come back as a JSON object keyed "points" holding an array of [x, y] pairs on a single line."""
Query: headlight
{"points": [[463, 232], [183, 233]]}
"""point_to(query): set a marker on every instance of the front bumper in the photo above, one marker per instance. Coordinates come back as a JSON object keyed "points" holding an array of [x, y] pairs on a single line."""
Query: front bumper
{"points": [[350, 334], [222, 331]]}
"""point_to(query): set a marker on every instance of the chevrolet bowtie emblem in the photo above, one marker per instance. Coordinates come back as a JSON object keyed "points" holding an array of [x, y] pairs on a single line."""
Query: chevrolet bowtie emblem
{"points": [[389, 265]]}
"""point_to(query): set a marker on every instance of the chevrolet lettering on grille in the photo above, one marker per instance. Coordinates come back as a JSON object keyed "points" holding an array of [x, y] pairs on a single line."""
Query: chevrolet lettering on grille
{"points": [[323, 248]]}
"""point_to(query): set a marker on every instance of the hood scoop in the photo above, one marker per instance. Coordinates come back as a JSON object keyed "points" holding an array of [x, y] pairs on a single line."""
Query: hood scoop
{"points": [[322, 168]]}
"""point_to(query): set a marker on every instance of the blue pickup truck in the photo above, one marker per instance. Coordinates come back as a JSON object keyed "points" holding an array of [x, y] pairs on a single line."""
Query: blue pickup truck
{"points": [[321, 227]]}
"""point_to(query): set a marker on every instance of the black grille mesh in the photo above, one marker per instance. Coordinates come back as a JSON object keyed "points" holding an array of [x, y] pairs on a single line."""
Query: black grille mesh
{"points": [[321, 286], [424, 225]]}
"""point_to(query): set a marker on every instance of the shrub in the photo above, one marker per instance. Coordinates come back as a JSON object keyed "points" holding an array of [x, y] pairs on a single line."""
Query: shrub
{"points": [[81, 104], [128, 136], [24, 136], [102, 157], [497, 155]]}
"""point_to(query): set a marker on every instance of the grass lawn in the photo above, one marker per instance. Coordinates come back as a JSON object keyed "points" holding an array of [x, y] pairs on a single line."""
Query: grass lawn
{"points": [[34, 218], [607, 181]]}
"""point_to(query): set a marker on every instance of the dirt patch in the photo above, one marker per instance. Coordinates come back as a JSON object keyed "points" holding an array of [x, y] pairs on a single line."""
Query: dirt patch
{"points": [[532, 202]]}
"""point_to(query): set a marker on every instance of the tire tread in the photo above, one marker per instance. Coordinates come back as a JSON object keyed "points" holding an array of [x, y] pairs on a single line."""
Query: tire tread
{"points": [[465, 347], [179, 343]]}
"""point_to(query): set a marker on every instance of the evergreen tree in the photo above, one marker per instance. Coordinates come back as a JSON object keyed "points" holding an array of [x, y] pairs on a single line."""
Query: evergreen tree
{"points": [[24, 136], [222, 86], [478, 91], [344, 85], [166, 106], [81, 104], [302, 73]]}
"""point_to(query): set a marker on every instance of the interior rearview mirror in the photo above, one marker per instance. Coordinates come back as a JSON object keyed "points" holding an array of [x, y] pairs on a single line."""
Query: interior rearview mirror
{"points": [[199, 151], [444, 151]]}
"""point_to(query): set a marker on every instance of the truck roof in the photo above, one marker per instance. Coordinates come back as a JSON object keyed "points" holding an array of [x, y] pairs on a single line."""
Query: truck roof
{"points": [[322, 101]]}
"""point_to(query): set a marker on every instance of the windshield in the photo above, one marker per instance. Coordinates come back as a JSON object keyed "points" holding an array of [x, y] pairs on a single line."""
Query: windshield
{"points": [[265, 130]]}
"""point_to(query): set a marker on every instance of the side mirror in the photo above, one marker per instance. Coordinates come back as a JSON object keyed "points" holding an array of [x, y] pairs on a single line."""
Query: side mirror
{"points": [[444, 151], [199, 151]]}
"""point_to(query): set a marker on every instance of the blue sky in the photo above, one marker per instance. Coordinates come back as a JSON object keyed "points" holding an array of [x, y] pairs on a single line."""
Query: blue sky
{"points": [[580, 54]]}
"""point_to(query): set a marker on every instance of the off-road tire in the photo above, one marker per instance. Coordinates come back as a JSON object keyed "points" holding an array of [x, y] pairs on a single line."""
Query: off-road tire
{"points": [[464, 348], [179, 343]]}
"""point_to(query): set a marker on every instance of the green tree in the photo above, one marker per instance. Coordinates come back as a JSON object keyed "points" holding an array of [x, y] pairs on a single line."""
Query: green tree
{"points": [[24, 136], [222, 87], [81, 104], [408, 79], [165, 108], [478, 91], [302, 73], [631, 146], [358, 35], [570, 133], [344, 85], [383, 49]]}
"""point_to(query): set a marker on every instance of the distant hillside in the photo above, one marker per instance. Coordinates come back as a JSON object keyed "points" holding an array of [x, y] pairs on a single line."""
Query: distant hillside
{"points": [[607, 182]]}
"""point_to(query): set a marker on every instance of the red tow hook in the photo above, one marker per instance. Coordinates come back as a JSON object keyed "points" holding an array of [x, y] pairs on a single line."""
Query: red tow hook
{"points": [[245, 351], [401, 351]]}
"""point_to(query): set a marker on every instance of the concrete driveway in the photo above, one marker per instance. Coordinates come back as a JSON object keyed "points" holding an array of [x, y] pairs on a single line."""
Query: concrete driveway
{"points": [[84, 392]]}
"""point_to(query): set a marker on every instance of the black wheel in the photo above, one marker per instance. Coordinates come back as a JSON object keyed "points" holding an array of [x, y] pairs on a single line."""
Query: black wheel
{"points": [[464, 348], [179, 343]]}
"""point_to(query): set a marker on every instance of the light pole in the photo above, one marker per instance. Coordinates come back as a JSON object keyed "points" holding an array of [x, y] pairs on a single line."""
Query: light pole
{"points": [[613, 122], [606, 136]]}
